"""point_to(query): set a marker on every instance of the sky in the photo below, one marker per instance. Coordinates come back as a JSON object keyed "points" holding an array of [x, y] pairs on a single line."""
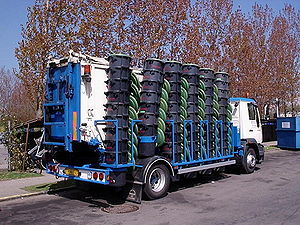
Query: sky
{"points": [[13, 13]]}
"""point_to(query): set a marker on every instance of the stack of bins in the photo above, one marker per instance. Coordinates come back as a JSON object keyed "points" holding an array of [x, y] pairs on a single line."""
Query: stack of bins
{"points": [[190, 73], [225, 109], [208, 77], [172, 73], [117, 108], [149, 106]]}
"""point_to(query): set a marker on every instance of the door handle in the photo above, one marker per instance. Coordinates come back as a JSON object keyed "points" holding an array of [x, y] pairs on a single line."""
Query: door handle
{"points": [[250, 130]]}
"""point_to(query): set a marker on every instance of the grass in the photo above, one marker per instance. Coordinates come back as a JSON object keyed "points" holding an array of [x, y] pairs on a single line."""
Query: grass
{"points": [[50, 186], [271, 147], [11, 175]]}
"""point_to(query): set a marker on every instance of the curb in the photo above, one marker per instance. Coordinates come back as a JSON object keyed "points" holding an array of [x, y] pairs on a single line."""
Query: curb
{"points": [[26, 195], [12, 197]]}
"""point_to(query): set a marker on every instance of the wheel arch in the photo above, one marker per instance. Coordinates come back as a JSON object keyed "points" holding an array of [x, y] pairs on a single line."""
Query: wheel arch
{"points": [[251, 143], [155, 162]]}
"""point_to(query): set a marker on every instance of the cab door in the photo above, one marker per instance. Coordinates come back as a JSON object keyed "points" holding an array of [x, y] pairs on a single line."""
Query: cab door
{"points": [[255, 130]]}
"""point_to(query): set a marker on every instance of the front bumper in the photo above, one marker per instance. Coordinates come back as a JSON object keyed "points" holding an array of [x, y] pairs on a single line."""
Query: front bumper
{"points": [[261, 151]]}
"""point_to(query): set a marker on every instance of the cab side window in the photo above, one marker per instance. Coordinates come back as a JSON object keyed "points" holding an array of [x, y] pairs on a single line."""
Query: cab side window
{"points": [[252, 112]]}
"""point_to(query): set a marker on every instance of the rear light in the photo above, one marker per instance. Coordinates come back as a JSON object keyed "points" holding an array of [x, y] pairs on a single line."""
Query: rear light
{"points": [[54, 169], [101, 176], [86, 73], [87, 69], [95, 176], [111, 180], [50, 167], [89, 175]]}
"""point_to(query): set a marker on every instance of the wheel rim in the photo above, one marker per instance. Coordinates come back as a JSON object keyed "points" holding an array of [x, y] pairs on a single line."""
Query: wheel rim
{"points": [[157, 180], [251, 161]]}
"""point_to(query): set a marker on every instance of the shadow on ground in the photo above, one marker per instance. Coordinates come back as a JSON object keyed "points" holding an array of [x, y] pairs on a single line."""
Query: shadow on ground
{"points": [[97, 195], [106, 197], [197, 180]]}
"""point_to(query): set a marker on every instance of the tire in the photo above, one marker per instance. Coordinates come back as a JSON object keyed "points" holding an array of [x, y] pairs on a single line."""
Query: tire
{"points": [[157, 182], [249, 161]]}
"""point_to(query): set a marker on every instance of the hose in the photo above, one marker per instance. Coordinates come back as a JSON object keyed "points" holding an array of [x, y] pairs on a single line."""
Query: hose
{"points": [[201, 116], [183, 114], [216, 115], [134, 102], [163, 108]]}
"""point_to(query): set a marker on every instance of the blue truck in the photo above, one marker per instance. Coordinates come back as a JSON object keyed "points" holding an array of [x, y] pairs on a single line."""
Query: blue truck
{"points": [[76, 126]]}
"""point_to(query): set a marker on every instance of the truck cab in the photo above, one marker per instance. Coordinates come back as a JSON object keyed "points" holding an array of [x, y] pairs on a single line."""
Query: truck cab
{"points": [[245, 116]]}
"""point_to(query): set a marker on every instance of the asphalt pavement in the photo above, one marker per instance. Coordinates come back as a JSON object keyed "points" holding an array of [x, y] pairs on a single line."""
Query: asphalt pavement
{"points": [[271, 195]]}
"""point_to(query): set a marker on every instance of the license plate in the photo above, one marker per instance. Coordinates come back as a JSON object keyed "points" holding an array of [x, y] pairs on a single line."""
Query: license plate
{"points": [[71, 172]]}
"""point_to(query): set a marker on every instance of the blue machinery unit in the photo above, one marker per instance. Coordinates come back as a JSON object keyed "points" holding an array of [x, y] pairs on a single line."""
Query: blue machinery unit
{"points": [[62, 106]]}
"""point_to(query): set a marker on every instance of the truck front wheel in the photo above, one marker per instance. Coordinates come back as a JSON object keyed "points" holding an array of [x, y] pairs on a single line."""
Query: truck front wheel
{"points": [[249, 161], [157, 182]]}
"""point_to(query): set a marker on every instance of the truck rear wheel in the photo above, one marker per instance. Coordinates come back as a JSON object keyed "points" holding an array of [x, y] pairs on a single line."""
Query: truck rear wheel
{"points": [[157, 182], [249, 161]]}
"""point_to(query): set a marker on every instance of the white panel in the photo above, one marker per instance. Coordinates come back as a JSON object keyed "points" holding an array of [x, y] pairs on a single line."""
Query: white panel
{"points": [[92, 102], [93, 99], [286, 125], [98, 99]]}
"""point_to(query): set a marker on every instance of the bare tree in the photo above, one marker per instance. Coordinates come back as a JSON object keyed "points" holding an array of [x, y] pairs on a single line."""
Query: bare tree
{"points": [[260, 50], [49, 31], [14, 102]]}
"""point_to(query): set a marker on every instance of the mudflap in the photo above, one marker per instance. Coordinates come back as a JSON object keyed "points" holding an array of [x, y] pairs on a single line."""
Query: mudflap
{"points": [[132, 191]]}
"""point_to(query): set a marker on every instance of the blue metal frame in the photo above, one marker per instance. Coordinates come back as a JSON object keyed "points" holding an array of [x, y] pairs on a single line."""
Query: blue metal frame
{"points": [[218, 126], [203, 123], [221, 136], [189, 148], [116, 163]]}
